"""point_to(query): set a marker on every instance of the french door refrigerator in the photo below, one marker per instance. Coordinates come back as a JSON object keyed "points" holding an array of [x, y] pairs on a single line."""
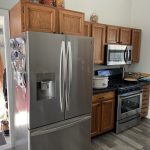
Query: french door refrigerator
{"points": [[53, 91]]}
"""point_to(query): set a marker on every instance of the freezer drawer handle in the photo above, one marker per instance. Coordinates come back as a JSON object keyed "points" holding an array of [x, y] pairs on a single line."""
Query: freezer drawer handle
{"points": [[69, 73], [62, 75], [51, 130]]}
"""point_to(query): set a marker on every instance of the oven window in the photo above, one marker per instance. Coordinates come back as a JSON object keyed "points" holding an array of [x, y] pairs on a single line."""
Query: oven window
{"points": [[116, 55], [129, 104]]}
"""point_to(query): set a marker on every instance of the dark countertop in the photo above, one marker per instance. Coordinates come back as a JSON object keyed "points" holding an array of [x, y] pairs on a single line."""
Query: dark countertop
{"points": [[97, 91]]}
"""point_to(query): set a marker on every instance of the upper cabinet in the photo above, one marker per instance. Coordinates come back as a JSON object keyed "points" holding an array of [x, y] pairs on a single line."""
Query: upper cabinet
{"points": [[118, 35], [112, 35], [98, 32], [71, 22], [136, 44], [31, 17], [27, 16], [87, 28], [125, 36]]}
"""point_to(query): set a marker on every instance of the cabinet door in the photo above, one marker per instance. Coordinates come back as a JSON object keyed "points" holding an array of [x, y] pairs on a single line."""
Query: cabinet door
{"points": [[107, 120], [136, 44], [96, 117], [145, 101], [125, 36], [98, 32], [16, 20], [87, 28], [39, 18], [71, 22], [112, 34]]}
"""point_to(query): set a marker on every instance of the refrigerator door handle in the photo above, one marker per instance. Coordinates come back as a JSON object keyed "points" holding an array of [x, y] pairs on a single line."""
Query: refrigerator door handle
{"points": [[69, 73], [62, 75]]}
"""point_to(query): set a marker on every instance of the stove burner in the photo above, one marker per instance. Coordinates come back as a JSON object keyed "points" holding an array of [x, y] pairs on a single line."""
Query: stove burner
{"points": [[124, 86]]}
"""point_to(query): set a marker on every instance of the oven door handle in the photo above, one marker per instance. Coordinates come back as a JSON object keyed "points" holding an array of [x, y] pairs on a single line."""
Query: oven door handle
{"points": [[131, 95]]}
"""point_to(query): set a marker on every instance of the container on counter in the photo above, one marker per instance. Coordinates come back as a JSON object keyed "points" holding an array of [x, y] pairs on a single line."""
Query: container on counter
{"points": [[47, 2], [59, 3]]}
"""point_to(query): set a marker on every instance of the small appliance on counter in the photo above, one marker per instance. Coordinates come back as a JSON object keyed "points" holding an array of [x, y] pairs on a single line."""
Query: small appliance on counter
{"points": [[100, 82], [101, 78]]}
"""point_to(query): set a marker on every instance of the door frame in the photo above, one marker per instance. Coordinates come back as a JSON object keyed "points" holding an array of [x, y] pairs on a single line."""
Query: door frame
{"points": [[5, 14]]}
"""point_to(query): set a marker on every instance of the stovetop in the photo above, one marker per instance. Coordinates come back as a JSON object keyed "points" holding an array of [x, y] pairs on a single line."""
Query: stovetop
{"points": [[121, 84], [116, 81], [124, 86]]}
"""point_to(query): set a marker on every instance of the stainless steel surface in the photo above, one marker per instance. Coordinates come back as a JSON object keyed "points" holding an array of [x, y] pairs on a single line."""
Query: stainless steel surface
{"points": [[53, 102], [120, 59], [121, 126], [81, 86], [44, 58], [130, 94], [69, 73], [71, 136], [130, 112], [131, 117], [62, 76]]}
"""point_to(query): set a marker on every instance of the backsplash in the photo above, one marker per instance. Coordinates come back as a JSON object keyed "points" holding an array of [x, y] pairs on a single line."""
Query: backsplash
{"points": [[97, 67]]}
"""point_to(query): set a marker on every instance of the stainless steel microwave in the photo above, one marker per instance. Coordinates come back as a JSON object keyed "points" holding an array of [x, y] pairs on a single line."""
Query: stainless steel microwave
{"points": [[118, 54]]}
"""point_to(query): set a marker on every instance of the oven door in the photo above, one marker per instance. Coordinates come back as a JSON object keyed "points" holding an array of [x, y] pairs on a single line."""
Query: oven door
{"points": [[129, 104]]}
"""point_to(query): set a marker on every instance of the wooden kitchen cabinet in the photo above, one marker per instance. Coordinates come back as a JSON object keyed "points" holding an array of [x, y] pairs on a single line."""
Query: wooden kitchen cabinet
{"points": [[96, 117], [136, 45], [87, 28], [125, 36], [118, 35], [112, 35], [107, 119], [70, 22], [102, 113], [99, 33], [145, 100], [31, 17]]}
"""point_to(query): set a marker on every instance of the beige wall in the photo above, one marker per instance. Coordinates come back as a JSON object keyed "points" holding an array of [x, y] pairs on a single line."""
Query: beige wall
{"points": [[117, 12], [7, 4]]}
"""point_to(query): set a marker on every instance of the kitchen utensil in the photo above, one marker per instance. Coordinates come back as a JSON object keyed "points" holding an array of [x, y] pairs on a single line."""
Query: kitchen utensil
{"points": [[131, 79]]}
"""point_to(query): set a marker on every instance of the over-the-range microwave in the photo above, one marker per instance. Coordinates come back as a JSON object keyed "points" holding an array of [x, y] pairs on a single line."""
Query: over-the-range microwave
{"points": [[118, 54]]}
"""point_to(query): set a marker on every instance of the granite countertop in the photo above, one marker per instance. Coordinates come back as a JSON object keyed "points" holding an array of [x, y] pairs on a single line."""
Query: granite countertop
{"points": [[97, 91]]}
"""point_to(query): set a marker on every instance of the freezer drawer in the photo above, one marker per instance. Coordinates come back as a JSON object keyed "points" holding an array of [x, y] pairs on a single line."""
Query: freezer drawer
{"points": [[74, 135]]}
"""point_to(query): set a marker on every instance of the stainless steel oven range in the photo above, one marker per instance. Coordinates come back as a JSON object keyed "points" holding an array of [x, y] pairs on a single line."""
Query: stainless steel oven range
{"points": [[128, 98], [128, 107]]}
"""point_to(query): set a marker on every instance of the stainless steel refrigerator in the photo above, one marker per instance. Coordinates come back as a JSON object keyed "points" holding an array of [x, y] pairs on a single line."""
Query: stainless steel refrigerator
{"points": [[53, 91]]}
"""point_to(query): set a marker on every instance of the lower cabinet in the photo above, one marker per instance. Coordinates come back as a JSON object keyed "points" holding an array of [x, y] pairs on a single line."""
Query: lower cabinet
{"points": [[102, 113]]}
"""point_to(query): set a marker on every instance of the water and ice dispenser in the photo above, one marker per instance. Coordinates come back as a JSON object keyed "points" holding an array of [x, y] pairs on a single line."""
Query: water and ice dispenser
{"points": [[45, 86]]}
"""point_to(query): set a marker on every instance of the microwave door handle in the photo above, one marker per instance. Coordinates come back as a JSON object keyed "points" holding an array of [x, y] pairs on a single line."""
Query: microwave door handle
{"points": [[125, 57], [129, 55]]}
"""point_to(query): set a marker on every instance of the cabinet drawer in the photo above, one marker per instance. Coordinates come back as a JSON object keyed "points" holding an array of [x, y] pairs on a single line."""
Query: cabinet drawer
{"points": [[103, 96]]}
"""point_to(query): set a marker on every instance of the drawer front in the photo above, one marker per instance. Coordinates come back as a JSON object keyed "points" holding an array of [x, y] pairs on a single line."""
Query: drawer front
{"points": [[103, 96]]}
